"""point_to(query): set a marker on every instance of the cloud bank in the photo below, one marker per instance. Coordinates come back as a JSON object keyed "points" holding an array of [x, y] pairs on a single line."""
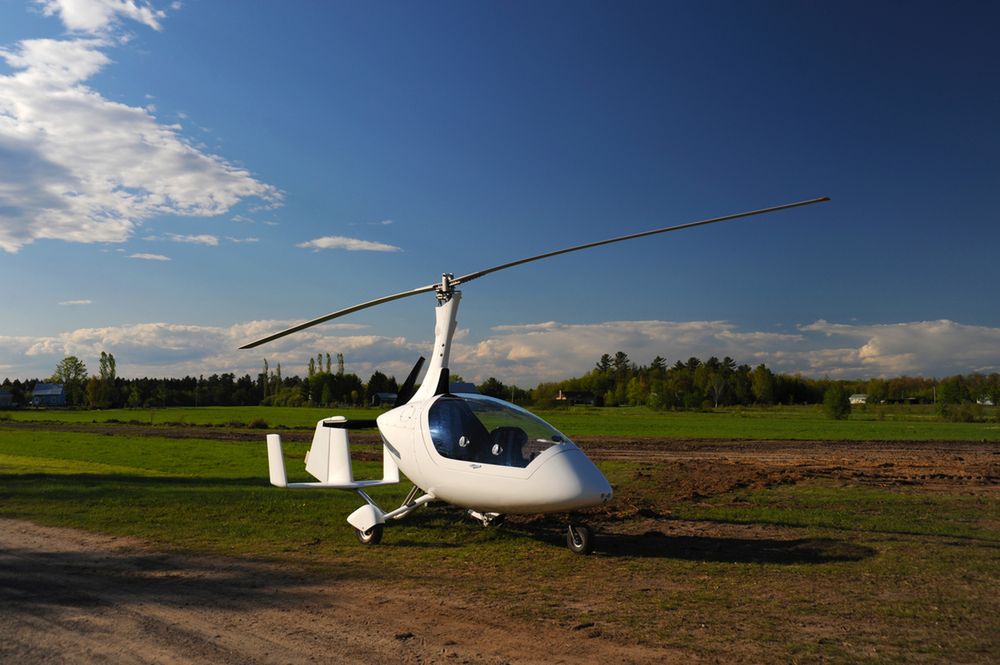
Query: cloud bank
{"points": [[524, 354], [86, 169]]}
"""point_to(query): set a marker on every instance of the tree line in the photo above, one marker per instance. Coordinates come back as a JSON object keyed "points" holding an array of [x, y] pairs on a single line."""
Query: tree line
{"points": [[615, 380], [329, 387]]}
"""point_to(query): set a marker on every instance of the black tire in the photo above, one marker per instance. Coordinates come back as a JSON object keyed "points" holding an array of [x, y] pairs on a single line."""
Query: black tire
{"points": [[372, 536], [579, 539]]}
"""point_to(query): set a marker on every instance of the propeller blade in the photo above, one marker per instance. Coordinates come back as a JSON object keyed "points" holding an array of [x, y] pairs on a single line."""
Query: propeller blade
{"points": [[407, 390], [339, 313], [475, 275]]}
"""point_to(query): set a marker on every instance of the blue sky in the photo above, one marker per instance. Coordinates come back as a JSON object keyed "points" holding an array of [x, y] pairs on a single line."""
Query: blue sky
{"points": [[179, 178]]}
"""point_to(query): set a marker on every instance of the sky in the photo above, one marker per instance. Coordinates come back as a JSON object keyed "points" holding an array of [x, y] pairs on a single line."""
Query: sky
{"points": [[180, 178]]}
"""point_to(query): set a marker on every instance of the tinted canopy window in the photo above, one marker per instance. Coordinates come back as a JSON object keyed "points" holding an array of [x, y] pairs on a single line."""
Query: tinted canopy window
{"points": [[476, 428]]}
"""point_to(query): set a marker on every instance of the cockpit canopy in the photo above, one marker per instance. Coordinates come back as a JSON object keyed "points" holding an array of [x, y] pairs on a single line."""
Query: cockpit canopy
{"points": [[477, 428]]}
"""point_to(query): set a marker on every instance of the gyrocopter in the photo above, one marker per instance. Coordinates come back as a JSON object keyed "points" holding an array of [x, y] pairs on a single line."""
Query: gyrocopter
{"points": [[489, 456]]}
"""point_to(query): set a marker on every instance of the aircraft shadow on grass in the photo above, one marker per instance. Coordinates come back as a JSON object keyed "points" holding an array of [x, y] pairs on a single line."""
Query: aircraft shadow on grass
{"points": [[39, 581], [718, 549]]}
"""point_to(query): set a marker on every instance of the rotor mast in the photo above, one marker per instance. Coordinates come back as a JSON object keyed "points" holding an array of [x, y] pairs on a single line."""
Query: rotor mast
{"points": [[445, 324]]}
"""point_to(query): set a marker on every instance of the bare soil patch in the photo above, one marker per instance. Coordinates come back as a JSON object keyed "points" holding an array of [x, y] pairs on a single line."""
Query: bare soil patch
{"points": [[75, 597]]}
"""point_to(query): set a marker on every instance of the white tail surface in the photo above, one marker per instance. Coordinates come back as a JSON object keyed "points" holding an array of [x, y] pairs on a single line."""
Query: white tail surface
{"points": [[329, 458], [275, 461]]}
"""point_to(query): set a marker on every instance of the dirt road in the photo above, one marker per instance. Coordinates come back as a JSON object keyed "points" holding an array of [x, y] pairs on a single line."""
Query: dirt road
{"points": [[67, 596]]}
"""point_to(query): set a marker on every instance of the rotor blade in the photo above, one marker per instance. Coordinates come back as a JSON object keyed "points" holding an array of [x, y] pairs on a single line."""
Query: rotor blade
{"points": [[338, 313], [475, 275]]}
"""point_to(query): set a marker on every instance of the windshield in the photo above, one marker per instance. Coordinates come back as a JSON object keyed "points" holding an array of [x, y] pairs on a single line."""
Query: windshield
{"points": [[476, 428]]}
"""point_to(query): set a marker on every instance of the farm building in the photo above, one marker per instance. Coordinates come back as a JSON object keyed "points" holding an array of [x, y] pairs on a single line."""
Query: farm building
{"points": [[859, 398], [48, 394], [378, 399], [576, 397]]}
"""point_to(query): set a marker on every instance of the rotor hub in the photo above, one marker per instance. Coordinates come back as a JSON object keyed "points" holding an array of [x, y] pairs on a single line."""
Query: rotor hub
{"points": [[446, 289]]}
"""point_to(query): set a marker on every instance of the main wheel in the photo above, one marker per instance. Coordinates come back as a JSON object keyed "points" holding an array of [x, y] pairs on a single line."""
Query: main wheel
{"points": [[372, 536], [579, 539]]}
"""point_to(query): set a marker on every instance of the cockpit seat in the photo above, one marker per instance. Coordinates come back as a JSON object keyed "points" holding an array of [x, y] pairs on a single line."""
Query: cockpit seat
{"points": [[507, 446]]}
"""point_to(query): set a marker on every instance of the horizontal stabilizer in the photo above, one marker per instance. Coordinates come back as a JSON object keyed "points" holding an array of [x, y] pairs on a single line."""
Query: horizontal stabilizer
{"points": [[340, 479]]}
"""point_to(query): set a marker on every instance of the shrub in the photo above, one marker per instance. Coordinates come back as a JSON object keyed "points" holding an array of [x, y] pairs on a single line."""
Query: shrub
{"points": [[836, 403]]}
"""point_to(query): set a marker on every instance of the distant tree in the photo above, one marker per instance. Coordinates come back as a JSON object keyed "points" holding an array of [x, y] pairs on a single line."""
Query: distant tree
{"points": [[379, 383], [493, 388], [762, 384], [72, 373], [312, 367], [105, 389], [716, 386], [836, 402], [69, 369], [952, 391], [621, 364], [604, 364]]}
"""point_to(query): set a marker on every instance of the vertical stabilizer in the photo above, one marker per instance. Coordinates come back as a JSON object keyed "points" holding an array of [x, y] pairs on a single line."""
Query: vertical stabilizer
{"points": [[329, 458]]}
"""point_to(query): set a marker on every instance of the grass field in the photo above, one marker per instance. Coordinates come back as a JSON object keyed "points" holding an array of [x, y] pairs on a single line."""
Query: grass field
{"points": [[822, 569], [797, 422]]}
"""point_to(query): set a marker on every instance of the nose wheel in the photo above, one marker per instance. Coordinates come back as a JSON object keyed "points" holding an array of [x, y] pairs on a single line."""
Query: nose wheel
{"points": [[372, 536], [579, 539]]}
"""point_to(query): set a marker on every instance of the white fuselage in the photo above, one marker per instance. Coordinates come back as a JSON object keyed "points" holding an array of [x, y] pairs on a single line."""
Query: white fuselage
{"points": [[558, 479]]}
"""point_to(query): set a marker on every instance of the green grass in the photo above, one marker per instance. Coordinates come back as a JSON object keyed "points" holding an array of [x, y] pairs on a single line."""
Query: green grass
{"points": [[799, 422], [795, 573], [846, 507], [275, 416]]}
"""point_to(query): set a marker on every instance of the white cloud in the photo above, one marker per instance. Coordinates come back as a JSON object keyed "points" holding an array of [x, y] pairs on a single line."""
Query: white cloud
{"points": [[550, 351], [241, 240], [350, 244], [77, 302], [149, 257], [97, 16], [525, 354], [204, 239], [165, 349], [935, 348], [84, 168]]}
